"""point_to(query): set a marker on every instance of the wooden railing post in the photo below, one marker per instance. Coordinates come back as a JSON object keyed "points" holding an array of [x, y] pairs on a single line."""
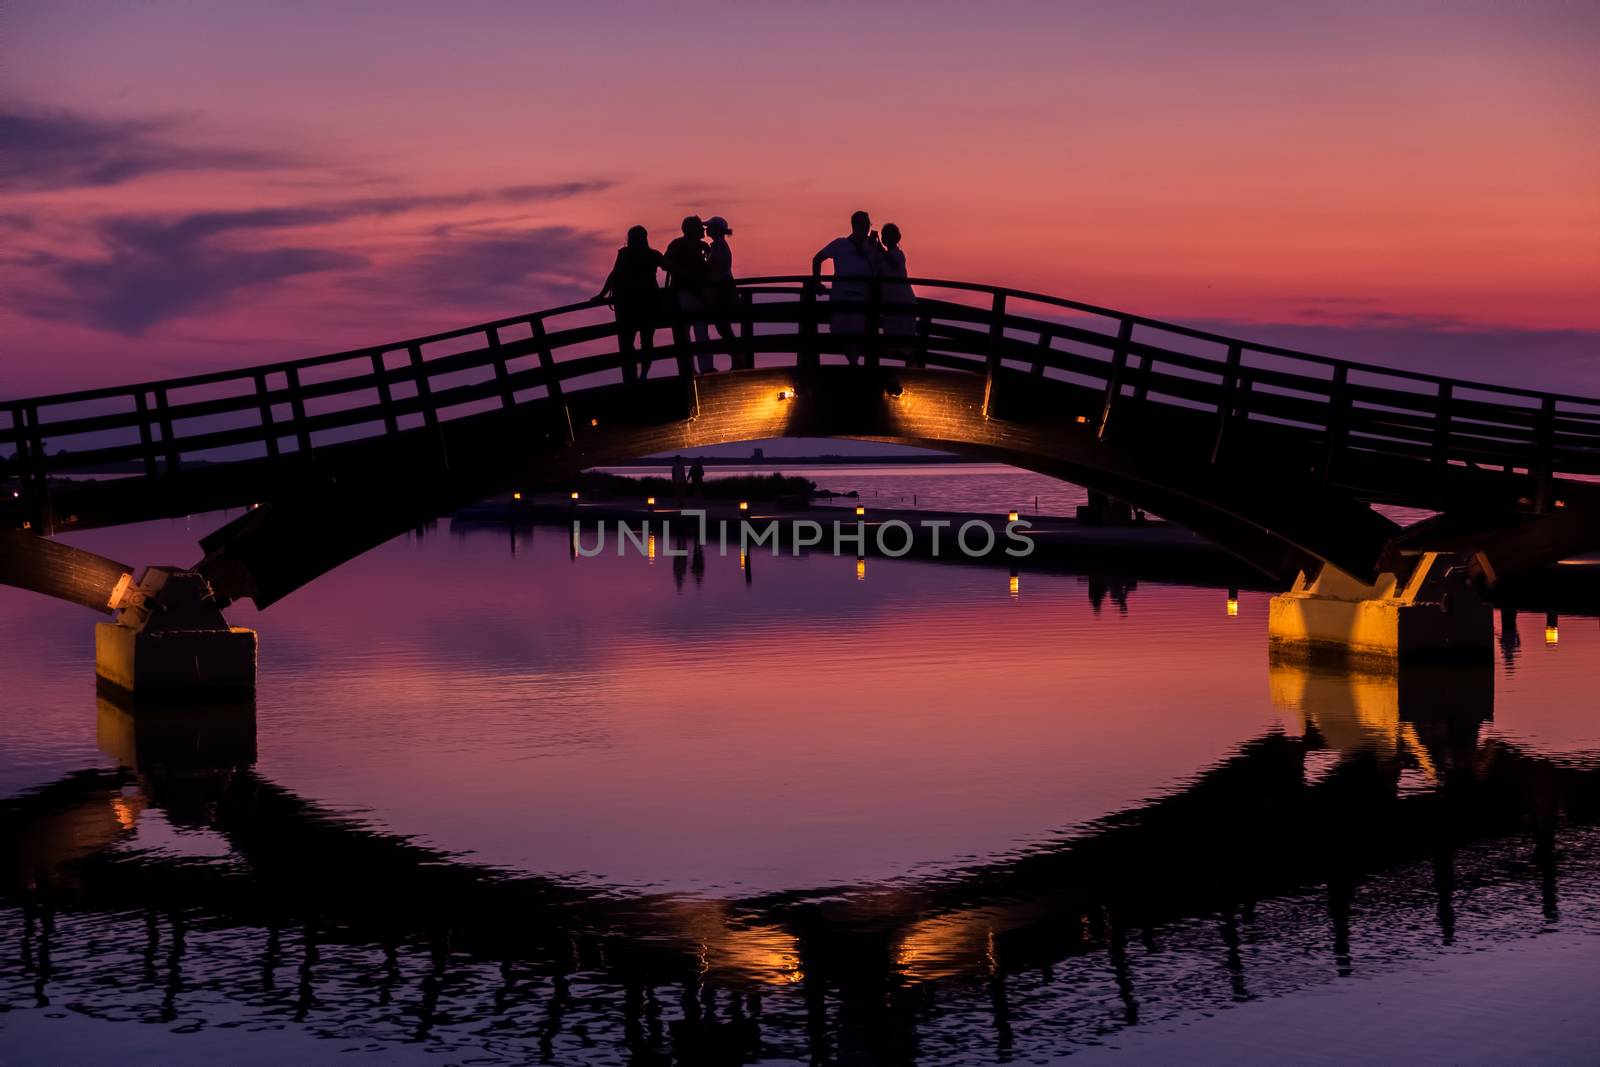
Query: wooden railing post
{"points": [[1043, 349], [808, 356], [297, 412], [1119, 363], [1230, 392], [430, 417], [997, 333], [502, 373], [1441, 428], [552, 382], [265, 405], [874, 320], [1544, 474], [1338, 425], [29, 467], [747, 331], [146, 438], [164, 419], [380, 371]]}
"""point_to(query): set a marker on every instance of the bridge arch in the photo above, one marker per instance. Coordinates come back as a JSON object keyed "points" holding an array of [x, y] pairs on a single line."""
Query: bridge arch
{"points": [[1273, 454]]}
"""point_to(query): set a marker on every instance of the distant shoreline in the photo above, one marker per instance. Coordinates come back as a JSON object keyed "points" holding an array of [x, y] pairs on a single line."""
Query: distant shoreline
{"points": [[807, 461]]}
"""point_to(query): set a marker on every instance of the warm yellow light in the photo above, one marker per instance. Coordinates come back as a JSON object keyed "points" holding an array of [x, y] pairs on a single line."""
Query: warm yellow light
{"points": [[516, 496], [861, 569], [650, 547], [594, 422], [1083, 418], [650, 500], [1551, 635], [744, 561], [785, 394], [1011, 516], [1233, 606], [1016, 586], [1561, 503], [574, 494], [860, 510], [744, 505]]}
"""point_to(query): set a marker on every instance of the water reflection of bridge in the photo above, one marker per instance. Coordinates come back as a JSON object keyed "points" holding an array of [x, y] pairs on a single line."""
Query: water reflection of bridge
{"points": [[1297, 858]]}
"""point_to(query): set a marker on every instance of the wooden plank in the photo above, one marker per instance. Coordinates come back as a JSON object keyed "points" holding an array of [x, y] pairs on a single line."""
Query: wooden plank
{"points": [[997, 331], [380, 374], [1119, 362], [297, 412], [164, 419]]}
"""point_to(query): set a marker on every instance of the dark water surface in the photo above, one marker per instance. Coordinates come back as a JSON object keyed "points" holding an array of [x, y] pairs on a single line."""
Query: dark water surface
{"points": [[500, 805]]}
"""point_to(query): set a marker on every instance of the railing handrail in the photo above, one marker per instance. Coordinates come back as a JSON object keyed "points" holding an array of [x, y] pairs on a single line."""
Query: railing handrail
{"points": [[752, 284]]}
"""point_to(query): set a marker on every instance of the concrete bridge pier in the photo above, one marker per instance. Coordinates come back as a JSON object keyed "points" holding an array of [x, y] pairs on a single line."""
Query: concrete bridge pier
{"points": [[170, 643], [1427, 612]]}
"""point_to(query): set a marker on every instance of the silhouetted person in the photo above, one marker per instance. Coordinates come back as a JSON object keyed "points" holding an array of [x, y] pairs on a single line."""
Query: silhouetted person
{"points": [[697, 477], [679, 479], [720, 295], [687, 276], [856, 258], [897, 294], [632, 288]]}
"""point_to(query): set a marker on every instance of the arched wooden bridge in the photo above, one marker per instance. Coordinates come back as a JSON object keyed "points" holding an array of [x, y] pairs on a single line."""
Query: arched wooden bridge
{"points": [[1274, 454]]}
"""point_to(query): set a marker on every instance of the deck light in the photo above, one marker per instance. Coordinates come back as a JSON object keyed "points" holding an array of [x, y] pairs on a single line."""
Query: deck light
{"points": [[785, 394], [860, 511], [1083, 418], [574, 494], [650, 500], [744, 505], [516, 496], [594, 422], [1011, 516]]}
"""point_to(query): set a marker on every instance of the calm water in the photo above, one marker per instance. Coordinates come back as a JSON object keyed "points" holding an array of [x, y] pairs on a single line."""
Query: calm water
{"points": [[500, 805]]}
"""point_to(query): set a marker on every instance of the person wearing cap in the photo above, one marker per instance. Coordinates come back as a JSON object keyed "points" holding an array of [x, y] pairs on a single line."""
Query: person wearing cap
{"points": [[720, 293], [685, 261], [855, 259]]}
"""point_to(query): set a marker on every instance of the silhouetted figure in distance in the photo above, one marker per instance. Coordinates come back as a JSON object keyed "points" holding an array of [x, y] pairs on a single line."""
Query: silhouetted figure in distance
{"points": [[895, 293], [720, 295], [631, 286], [697, 478], [687, 276], [679, 479], [855, 259]]}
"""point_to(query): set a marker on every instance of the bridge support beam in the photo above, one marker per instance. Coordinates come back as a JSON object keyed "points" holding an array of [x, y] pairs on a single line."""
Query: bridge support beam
{"points": [[1433, 614], [170, 644]]}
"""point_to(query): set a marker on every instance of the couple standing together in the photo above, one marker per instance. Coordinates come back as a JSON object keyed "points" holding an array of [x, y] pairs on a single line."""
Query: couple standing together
{"points": [[700, 279], [857, 258]]}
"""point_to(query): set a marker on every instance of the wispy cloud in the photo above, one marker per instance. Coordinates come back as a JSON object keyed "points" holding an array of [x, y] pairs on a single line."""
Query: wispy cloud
{"points": [[156, 269], [60, 149]]}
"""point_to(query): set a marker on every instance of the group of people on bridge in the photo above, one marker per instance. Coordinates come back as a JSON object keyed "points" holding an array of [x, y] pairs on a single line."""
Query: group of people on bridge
{"points": [[700, 286]]}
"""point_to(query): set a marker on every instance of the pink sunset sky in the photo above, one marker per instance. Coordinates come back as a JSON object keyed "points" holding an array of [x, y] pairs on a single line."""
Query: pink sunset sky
{"points": [[185, 186]]}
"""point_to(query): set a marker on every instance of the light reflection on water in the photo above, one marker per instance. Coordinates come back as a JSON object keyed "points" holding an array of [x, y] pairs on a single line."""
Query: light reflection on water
{"points": [[906, 816]]}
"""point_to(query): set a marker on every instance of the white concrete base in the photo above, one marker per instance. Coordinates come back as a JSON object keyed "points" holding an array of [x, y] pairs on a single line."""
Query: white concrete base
{"points": [[173, 645], [1436, 616]]}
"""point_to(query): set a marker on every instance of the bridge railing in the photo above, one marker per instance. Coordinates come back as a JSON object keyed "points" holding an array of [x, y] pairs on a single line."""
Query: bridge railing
{"points": [[1123, 363]]}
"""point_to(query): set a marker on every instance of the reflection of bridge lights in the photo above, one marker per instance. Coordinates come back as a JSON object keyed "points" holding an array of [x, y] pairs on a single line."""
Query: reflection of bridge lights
{"points": [[1233, 606], [861, 568], [1551, 633], [1015, 587], [744, 560], [650, 547], [125, 814]]}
